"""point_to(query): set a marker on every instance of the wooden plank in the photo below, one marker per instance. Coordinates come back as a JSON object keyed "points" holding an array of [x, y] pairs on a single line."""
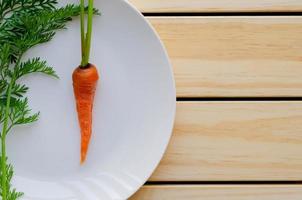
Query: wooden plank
{"points": [[160, 6], [224, 141], [219, 192], [234, 56]]}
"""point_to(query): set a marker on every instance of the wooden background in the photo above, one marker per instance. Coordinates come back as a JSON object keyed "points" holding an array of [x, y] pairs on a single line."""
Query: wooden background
{"points": [[238, 71]]}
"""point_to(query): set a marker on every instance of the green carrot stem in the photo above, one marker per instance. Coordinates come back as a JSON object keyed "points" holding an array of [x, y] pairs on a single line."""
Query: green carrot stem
{"points": [[82, 17], [3, 141], [89, 31], [3, 166], [86, 37], [4, 132]]}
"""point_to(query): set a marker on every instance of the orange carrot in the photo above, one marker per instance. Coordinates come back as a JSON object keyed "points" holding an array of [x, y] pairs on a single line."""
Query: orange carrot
{"points": [[85, 78], [84, 85]]}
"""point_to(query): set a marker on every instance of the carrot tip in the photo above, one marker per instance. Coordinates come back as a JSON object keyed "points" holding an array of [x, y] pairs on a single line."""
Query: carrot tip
{"points": [[83, 158], [82, 162]]}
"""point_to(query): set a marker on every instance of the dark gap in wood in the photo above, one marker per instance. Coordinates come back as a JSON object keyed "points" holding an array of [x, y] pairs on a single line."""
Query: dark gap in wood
{"points": [[239, 98], [280, 182], [226, 14]]}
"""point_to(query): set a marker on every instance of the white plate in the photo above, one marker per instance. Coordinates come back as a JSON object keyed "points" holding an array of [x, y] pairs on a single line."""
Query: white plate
{"points": [[133, 114]]}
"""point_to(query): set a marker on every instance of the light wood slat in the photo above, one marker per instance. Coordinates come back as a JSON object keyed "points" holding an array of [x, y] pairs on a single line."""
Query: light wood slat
{"points": [[220, 192], [234, 141], [234, 56], [157, 6]]}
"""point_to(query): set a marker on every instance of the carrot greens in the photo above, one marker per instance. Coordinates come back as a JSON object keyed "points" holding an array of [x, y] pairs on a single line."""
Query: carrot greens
{"points": [[86, 37], [23, 25]]}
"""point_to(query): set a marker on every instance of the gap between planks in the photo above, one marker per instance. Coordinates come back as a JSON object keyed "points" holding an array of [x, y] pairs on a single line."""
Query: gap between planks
{"points": [[264, 182], [210, 6], [192, 99], [222, 14]]}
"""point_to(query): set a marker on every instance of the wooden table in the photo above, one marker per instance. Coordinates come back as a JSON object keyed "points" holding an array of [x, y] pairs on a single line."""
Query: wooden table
{"points": [[238, 71]]}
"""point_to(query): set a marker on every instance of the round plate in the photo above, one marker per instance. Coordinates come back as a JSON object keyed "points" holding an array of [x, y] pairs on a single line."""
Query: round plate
{"points": [[133, 113]]}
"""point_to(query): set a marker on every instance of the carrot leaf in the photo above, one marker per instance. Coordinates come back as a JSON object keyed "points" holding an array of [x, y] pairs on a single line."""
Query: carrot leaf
{"points": [[23, 25], [34, 65]]}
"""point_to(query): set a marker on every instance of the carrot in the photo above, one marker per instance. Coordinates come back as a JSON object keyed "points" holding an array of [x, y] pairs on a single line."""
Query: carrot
{"points": [[85, 78], [84, 86]]}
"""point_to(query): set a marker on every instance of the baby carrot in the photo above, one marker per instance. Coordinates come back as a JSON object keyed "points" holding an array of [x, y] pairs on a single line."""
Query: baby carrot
{"points": [[84, 86], [85, 79]]}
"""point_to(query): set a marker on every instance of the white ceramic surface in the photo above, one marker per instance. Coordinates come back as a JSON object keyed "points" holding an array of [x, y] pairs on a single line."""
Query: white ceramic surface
{"points": [[133, 114]]}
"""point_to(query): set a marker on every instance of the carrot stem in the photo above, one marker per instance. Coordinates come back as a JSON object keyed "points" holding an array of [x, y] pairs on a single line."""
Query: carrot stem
{"points": [[86, 37], [89, 30], [4, 132], [82, 16]]}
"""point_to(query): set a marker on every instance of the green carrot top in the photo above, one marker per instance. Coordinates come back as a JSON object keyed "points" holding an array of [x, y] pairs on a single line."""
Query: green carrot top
{"points": [[86, 37]]}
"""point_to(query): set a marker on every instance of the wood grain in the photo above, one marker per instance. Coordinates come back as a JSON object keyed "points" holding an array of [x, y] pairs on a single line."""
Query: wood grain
{"points": [[234, 56], [225, 141], [219, 192], [158, 6]]}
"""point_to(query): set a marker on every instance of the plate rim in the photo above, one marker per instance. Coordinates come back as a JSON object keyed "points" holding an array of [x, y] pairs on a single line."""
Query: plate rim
{"points": [[173, 114]]}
